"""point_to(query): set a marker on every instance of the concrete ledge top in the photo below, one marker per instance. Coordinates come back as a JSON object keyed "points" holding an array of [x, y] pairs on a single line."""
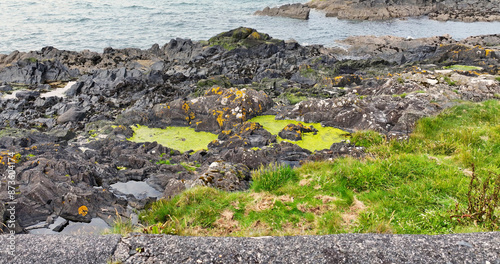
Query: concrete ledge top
{"points": [[341, 248]]}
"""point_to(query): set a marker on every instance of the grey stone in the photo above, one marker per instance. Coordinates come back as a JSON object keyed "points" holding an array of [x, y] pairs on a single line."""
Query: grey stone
{"points": [[46, 249], [73, 114], [341, 248]]}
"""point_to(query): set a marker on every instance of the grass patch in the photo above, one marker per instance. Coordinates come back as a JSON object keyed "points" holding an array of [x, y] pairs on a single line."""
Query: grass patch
{"points": [[121, 226], [325, 137], [167, 162], [403, 95], [294, 99], [424, 185], [189, 166], [179, 138], [449, 81], [367, 138], [272, 177]]}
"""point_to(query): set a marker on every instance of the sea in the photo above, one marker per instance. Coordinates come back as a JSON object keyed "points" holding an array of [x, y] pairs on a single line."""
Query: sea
{"points": [[96, 24]]}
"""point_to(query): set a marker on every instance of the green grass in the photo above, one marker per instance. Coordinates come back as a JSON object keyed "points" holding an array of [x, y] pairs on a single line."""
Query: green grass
{"points": [[167, 162], [325, 137], [272, 177], [121, 226], [403, 95], [294, 99], [449, 81], [188, 166], [179, 138], [412, 186]]}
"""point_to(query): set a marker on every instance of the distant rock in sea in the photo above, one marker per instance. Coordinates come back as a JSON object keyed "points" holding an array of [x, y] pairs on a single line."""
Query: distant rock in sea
{"points": [[298, 11]]}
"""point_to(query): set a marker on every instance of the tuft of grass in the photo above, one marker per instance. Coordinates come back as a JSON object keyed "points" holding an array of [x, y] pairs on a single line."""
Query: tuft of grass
{"points": [[121, 226], [483, 200], [367, 138], [272, 177], [164, 162], [188, 166], [498, 79], [32, 59], [403, 95], [294, 99], [449, 81]]}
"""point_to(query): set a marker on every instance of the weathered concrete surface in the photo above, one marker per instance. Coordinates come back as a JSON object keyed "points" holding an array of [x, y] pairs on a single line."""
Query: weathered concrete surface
{"points": [[58, 249], [343, 248]]}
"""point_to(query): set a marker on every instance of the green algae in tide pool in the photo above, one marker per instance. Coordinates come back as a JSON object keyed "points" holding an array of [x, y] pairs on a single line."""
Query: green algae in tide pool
{"points": [[325, 137], [179, 138]]}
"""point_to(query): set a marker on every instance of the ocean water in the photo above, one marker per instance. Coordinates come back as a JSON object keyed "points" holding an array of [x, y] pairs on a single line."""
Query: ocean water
{"points": [[96, 24]]}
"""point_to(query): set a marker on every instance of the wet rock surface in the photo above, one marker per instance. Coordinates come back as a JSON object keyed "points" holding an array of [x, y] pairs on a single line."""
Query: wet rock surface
{"points": [[72, 147]]}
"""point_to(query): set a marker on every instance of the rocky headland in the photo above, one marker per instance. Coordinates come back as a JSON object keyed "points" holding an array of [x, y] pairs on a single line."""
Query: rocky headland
{"points": [[71, 147], [443, 10]]}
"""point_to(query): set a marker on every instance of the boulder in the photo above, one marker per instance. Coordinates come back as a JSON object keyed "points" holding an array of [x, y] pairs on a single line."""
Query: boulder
{"points": [[246, 135], [220, 109], [241, 37], [294, 132], [31, 71], [298, 11], [74, 114], [225, 176], [28, 95]]}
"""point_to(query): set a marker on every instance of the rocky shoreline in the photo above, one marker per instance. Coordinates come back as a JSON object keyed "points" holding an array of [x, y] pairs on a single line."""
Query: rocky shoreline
{"points": [[70, 148], [441, 10]]}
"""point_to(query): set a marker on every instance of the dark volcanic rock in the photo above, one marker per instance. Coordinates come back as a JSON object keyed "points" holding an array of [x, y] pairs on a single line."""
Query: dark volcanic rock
{"points": [[225, 176], [28, 95], [468, 11], [294, 132], [220, 109], [72, 115], [35, 72], [298, 11], [242, 37], [247, 135]]}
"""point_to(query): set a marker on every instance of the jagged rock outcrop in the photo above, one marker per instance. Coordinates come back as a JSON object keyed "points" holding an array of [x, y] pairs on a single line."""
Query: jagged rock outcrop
{"points": [[220, 109], [247, 135], [294, 132], [468, 11]]}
